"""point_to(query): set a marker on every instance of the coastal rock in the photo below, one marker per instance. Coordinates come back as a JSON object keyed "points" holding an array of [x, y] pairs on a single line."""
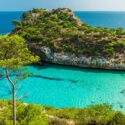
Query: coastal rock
{"points": [[64, 58], [58, 36]]}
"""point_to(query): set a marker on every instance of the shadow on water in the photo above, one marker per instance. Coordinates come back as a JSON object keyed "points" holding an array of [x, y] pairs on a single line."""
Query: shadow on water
{"points": [[56, 79], [48, 78], [74, 68]]}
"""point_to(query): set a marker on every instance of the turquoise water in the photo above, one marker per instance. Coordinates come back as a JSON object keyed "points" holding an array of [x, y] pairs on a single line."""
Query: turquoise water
{"points": [[63, 86]]}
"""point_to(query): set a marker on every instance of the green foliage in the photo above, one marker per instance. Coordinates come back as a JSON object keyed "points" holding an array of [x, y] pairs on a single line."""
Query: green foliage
{"points": [[37, 10], [97, 115], [14, 55], [60, 30], [120, 31], [17, 23], [14, 52], [28, 114]]}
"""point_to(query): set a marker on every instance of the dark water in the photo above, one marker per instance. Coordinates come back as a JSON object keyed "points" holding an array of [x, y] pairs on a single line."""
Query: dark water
{"points": [[6, 19], [105, 19]]}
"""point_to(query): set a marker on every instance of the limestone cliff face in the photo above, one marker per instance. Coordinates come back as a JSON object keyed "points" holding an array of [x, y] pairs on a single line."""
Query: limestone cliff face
{"points": [[81, 61]]}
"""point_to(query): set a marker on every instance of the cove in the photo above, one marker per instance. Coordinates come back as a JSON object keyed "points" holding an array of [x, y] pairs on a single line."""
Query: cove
{"points": [[67, 87]]}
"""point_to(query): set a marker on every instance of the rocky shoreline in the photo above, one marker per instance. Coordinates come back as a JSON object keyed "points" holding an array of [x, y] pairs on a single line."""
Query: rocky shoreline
{"points": [[70, 59]]}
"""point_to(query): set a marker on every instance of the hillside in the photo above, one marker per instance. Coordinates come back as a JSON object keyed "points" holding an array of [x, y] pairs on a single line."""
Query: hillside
{"points": [[58, 36], [29, 114]]}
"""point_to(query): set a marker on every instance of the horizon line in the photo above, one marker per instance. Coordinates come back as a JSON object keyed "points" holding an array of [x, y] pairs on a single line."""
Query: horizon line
{"points": [[64, 7], [72, 10]]}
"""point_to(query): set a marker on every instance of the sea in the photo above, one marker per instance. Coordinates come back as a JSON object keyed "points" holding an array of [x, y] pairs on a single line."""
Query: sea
{"points": [[97, 19], [66, 86]]}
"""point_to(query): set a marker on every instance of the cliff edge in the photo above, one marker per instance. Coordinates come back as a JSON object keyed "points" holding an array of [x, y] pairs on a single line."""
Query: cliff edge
{"points": [[58, 36]]}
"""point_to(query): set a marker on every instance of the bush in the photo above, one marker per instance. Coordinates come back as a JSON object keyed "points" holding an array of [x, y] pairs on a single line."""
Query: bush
{"points": [[26, 114], [92, 115], [60, 25]]}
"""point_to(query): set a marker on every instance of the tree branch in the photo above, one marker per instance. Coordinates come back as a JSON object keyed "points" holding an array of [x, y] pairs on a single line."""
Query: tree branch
{"points": [[8, 77]]}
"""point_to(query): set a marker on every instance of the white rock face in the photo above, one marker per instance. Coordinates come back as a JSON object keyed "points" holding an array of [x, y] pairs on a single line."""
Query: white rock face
{"points": [[83, 61]]}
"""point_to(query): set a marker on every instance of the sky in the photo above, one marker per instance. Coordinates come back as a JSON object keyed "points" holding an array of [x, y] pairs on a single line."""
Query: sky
{"points": [[82, 5]]}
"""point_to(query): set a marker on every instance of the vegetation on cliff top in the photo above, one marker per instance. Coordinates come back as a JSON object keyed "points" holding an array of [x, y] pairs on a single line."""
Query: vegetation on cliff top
{"points": [[28, 114], [60, 30]]}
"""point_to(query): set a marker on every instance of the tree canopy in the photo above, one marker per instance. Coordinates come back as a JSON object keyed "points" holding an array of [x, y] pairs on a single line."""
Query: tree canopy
{"points": [[60, 30], [14, 52]]}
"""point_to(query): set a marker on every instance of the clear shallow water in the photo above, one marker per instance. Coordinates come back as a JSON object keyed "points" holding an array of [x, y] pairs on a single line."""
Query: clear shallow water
{"points": [[61, 86]]}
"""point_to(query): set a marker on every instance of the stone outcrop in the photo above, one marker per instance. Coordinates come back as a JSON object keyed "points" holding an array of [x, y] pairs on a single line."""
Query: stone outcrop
{"points": [[81, 61], [59, 37]]}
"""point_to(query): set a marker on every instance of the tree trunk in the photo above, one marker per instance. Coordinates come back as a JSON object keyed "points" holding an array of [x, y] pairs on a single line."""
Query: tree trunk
{"points": [[13, 96], [14, 106]]}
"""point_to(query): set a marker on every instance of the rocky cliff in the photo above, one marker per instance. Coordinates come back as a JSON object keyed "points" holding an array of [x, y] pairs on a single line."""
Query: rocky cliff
{"points": [[65, 58], [58, 36]]}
